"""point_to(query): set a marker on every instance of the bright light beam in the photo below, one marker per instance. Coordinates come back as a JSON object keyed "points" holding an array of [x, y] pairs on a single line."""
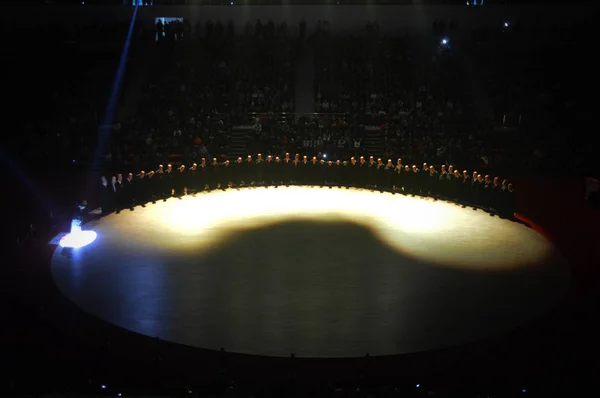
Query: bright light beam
{"points": [[104, 133], [437, 232]]}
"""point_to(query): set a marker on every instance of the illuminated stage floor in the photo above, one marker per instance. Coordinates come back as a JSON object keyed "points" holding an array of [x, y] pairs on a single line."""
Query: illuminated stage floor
{"points": [[312, 271]]}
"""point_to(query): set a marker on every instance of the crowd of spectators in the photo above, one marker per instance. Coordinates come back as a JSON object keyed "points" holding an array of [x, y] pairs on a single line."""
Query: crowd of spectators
{"points": [[383, 62], [202, 77], [413, 87], [198, 77], [326, 136], [416, 88], [533, 75]]}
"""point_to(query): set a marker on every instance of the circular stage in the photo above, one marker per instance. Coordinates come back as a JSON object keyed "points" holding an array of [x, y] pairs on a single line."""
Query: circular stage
{"points": [[313, 271]]}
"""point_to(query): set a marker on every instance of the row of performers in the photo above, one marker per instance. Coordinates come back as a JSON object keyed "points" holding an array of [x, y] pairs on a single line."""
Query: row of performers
{"points": [[467, 188]]}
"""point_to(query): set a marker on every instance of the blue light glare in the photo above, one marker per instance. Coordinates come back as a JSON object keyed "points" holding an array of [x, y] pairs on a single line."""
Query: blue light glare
{"points": [[444, 41], [76, 240]]}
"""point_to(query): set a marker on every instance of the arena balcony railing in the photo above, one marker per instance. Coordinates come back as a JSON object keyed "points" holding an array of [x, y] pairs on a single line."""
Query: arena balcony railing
{"points": [[281, 114], [270, 2], [302, 2], [243, 120], [292, 2], [341, 2], [296, 115]]}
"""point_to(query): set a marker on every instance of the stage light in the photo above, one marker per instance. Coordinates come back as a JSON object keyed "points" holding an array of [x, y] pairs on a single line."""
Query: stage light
{"points": [[406, 224], [506, 24], [76, 240], [444, 41], [231, 3], [324, 156], [103, 387], [418, 385]]}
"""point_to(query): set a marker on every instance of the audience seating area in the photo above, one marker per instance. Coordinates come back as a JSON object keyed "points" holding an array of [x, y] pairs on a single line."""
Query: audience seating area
{"points": [[412, 86], [533, 91], [199, 80]]}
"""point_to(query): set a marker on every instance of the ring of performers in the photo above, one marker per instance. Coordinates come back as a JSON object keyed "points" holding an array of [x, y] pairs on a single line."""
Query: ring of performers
{"points": [[469, 189]]}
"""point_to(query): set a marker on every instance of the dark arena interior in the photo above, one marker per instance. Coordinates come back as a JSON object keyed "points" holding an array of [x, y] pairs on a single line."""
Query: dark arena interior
{"points": [[302, 198]]}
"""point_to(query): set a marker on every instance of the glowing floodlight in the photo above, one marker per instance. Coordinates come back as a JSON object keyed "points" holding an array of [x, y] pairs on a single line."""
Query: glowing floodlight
{"points": [[75, 240], [444, 41]]}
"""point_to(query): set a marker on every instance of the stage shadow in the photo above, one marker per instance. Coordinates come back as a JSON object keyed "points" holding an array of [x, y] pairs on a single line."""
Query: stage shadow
{"points": [[303, 243], [334, 289]]}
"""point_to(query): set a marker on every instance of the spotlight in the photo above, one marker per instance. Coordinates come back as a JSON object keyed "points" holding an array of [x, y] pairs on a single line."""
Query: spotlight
{"points": [[418, 385], [324, 156], [231, 3], [77, 239], [506, 24], [444, 41], [103, 387]]}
